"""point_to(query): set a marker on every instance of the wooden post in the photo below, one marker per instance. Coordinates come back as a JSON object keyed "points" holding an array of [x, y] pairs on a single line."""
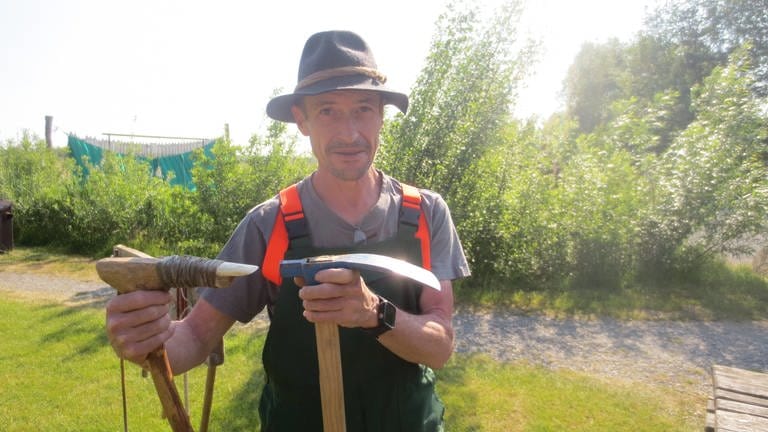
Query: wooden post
{"points": [[48, 128], [226, 133]]}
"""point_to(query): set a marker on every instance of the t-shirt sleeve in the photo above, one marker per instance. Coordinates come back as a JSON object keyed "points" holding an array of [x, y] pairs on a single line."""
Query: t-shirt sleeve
{"points": [[448, 259], [247, 295]]}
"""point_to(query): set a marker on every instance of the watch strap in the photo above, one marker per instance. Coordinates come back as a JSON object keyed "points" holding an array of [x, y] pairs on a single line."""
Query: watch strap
{"points": [[385, 314]]}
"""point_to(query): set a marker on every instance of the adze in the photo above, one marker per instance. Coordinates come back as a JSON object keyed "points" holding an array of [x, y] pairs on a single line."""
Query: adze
{"points": [[327, 334], [147, 273]]}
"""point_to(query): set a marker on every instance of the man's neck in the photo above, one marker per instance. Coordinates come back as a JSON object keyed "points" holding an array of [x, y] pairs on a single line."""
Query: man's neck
{"points": [[349, 199]]}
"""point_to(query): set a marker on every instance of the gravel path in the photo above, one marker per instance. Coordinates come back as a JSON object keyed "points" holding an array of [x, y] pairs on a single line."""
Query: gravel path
{"points": [[677, 354]]}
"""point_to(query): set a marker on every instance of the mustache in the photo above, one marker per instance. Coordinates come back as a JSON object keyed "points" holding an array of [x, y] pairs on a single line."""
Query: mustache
{"points": [[358, 143]]}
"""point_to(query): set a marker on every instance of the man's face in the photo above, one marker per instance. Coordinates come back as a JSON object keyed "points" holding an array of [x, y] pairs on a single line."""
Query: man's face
{"points": [[343, 127]]}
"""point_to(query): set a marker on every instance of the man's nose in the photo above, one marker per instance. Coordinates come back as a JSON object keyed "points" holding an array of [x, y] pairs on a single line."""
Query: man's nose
{"points": [[347, 128]]}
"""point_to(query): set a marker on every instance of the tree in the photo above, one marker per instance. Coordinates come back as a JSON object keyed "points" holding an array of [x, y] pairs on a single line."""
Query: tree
{"points": [[706, 32], [236, 179], [593, 82], [454, 130], [681, 44], [712, 185]]}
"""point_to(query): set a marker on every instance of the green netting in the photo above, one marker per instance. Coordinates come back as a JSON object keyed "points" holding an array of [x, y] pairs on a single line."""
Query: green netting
{"points": [[180, 164]]}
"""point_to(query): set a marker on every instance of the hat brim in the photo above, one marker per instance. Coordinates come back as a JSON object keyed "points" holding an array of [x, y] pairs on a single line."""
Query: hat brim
{"points": [[279, 107]]}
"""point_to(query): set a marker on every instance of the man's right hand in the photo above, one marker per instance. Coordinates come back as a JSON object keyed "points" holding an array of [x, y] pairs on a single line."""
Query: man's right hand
{"points": [[138, 323]]}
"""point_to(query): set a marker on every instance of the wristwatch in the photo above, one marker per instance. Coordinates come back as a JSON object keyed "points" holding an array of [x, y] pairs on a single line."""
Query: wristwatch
{"points": [[385, 312]]}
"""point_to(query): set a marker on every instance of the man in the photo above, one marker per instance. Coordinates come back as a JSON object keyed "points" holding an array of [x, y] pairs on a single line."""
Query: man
{"points": [[346, 205]]}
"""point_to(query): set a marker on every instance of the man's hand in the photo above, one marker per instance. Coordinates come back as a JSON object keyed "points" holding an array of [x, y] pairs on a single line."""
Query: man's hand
{"points": [[138, 322], [340, 296]]}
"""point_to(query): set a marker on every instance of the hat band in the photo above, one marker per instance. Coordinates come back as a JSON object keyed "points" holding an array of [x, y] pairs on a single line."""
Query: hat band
{"points": [[338, 72]]}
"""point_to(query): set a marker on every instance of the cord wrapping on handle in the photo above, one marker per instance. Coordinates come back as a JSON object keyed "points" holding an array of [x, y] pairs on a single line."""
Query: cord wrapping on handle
{"points": [[182, 271]]}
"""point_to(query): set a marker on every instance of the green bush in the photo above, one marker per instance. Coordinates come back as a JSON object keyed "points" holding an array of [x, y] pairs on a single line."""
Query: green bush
{"points": [[119, 202], [36, 179]]}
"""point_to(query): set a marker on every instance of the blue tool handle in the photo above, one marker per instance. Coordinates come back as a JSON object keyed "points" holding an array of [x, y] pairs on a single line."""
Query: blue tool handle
{"points": [[308, 270]]}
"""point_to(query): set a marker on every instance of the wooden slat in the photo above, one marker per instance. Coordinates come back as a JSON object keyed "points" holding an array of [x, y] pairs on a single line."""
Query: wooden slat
{"points": [[740, 380], [736, 422], [740, 400], [723, 395], [741, 407], [125, 251], [709, 424]]}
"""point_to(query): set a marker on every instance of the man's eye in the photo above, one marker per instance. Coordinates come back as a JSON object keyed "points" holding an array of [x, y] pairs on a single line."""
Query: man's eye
{"points": [[326, 111]]}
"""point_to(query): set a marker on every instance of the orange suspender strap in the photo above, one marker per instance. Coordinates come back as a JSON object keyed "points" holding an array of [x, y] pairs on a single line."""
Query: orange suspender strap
{"points": [[412, 200], [290, 212], [292, 215]]}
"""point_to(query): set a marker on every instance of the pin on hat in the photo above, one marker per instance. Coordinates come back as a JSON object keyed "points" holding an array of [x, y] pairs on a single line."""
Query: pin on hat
{"points": [[335, 60]]}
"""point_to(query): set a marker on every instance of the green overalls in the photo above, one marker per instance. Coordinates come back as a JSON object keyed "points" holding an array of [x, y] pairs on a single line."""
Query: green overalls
{"points": [[383, 393]]}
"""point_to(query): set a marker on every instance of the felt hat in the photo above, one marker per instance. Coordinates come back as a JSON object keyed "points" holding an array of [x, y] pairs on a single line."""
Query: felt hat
{"points": [[335, 60]]}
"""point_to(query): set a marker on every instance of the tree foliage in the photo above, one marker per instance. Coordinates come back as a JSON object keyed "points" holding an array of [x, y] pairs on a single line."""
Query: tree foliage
{"points": [[35, 179], [681, 45], [594, 80], [119, 202], [712, 181], [452, 139], [706, 32], [236, 179]]}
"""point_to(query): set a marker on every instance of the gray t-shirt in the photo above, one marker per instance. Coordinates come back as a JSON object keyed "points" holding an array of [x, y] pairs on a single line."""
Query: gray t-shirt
{"points": [[247, 296]]}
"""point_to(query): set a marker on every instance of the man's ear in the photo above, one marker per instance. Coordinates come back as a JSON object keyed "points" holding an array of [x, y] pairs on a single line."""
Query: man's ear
{"points": [[300, 118]]}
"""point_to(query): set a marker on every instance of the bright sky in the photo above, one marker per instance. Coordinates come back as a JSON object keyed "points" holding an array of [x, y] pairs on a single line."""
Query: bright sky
{"points": [[185, 68]]}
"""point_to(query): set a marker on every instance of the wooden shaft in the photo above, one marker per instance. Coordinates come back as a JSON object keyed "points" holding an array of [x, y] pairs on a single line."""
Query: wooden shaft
{"points": [[331, 381], [205, 416], [215, 358], [157, 363], [125, 251]]}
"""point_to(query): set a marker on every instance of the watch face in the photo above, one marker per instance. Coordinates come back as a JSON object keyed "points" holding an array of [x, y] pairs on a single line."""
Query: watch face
{"points": [[387, 314]]}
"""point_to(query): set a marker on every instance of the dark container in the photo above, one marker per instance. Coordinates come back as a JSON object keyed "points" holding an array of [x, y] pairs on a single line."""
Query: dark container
{"points": [[6, 226]]}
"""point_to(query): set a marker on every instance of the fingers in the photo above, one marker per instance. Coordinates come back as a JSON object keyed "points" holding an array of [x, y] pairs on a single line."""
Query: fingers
{"points": [[340, 296], [332, 284], [138, 300], [339, 276], [138, 323]]}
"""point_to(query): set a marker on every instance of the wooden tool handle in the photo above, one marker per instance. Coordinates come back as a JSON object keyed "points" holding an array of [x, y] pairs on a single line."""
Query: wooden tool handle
{"points": [[127, 274], [331, 381], [130, 274], [157, 363]]}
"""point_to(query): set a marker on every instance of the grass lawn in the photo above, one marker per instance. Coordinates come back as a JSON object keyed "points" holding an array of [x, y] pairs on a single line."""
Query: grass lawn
{"points": [[58, 373], [43, 260], [719, 292]]}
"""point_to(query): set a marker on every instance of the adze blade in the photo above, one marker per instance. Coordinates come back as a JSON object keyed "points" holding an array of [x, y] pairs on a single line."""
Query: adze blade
{"points": [[308, 267]]}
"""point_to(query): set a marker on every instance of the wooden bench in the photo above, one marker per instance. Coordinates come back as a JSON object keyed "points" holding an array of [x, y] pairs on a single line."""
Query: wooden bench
{"points": [[739, 401]]}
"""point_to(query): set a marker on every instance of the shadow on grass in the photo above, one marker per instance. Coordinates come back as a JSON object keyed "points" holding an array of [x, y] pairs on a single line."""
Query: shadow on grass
{"points": [[67, 324], [242, 411], [733, 293], [33, 258], [458, 396], [716, 291]]}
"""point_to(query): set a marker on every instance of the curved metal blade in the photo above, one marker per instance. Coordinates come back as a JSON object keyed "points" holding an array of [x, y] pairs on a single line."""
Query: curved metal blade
{"points": [[307, 267]]}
